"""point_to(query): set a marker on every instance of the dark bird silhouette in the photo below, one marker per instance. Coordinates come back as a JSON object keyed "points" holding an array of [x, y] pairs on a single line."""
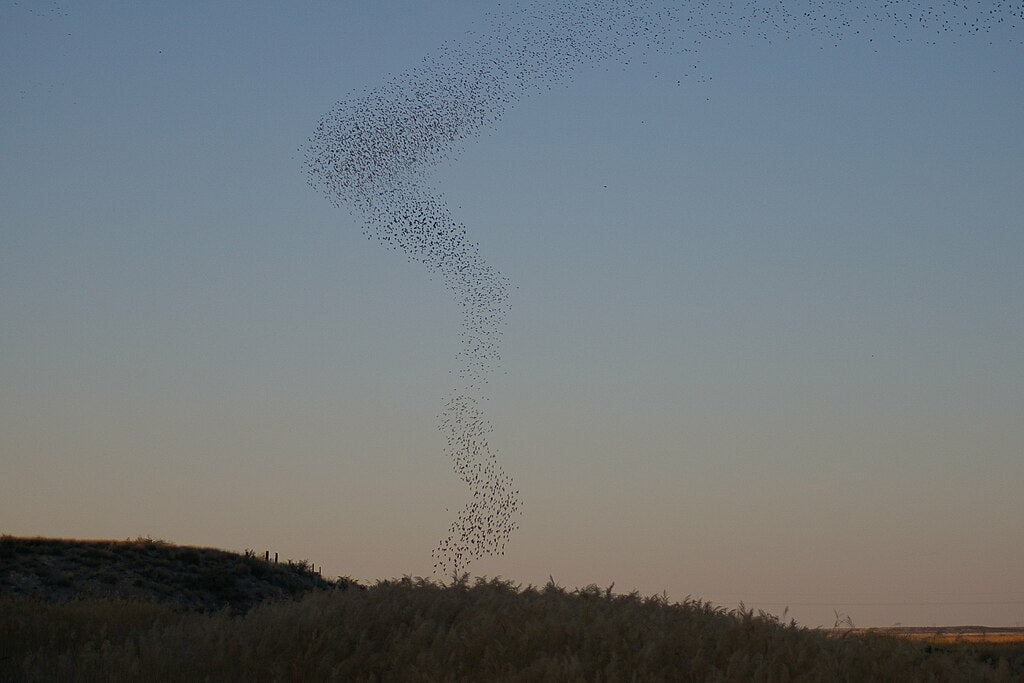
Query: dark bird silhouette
{"points": [[373, 152]]}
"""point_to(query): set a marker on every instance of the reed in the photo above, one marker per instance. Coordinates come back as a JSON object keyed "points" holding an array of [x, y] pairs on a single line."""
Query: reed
{"points": [[483, 629]]}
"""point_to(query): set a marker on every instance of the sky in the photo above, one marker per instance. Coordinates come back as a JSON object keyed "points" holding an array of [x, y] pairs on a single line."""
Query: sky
{"points": [[764, 343]]}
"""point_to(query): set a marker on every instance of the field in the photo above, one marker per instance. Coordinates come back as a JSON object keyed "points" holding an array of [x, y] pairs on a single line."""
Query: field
{"points": [[974, 635], [416, 629]]}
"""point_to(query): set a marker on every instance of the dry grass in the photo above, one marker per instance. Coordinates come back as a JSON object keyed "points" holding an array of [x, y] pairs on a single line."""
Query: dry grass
{"points": [[414, 629], [149, 610], [946, 635], [58, 570]]}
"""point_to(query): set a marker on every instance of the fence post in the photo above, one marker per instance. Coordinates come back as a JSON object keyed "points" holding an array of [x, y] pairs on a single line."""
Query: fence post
{"points": [[266, 556], [275, 558]]}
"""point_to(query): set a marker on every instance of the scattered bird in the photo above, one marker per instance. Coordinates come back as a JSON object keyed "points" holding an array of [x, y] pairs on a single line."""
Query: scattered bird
{"points": [[373, 152]]}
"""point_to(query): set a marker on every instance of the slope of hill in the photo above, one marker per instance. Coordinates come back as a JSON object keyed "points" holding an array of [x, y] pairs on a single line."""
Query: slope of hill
{"points": [[405, 629], [57, 570]]}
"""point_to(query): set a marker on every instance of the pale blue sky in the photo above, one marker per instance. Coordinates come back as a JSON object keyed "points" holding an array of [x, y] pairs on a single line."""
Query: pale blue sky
{"points": [[765, 346]]}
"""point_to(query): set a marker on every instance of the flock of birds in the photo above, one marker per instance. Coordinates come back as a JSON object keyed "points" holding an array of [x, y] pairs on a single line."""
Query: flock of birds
{"points": [[373, 153]]}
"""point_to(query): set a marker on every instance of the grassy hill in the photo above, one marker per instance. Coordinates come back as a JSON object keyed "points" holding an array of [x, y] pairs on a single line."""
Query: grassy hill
{"points": [[57, 570], [408, 629]]}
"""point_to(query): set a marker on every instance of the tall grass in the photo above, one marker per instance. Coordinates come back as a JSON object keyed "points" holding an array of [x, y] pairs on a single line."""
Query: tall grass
{"points": [[415, 629]]}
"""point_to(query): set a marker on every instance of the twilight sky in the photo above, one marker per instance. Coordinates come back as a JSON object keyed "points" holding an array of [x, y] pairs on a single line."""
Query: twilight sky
{"points": [[766, 343]]}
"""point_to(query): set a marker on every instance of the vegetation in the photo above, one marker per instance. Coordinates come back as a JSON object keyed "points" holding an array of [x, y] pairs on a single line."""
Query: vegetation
{"points": [[416, 629], [57, 570]]}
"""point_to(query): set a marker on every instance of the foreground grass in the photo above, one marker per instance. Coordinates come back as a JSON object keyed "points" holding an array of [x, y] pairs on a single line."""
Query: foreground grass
{"points": [[414, 629]]}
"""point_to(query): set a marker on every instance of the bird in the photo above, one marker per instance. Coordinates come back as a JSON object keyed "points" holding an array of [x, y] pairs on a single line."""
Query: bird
{"points": [[373, 152]]}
